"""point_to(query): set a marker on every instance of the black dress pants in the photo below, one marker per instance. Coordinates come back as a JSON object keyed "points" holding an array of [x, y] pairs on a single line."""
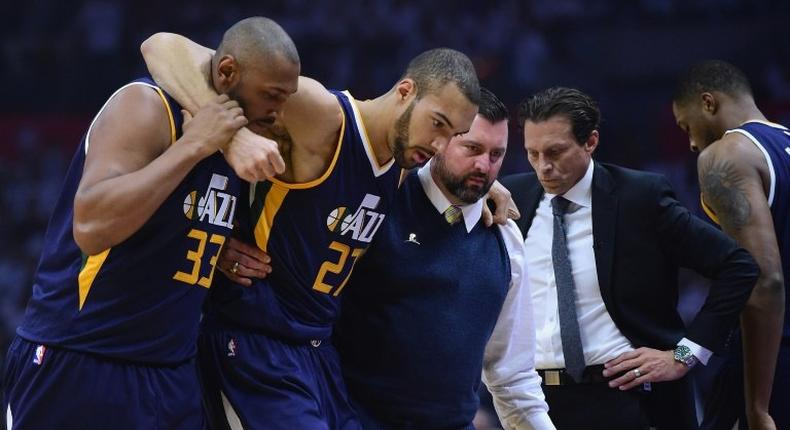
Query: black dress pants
{"points": [[596, 406], [667, 406]]}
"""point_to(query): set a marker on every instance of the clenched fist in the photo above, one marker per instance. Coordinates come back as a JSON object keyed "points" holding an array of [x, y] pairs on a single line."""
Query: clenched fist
{"points": [[214, 124]]}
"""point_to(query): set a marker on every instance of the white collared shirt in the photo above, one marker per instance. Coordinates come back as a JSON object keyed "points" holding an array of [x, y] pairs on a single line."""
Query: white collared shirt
{"points": [[508, 362], [601, 339]]}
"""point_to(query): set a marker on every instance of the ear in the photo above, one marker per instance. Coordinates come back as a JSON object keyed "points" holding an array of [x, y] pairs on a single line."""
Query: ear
{"points": [[227, 73], [592, 142], [709, 103], [405, 88]]}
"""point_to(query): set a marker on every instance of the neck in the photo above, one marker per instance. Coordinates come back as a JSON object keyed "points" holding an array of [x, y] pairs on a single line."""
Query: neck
{"points": [[378, 117], [740, 112]]}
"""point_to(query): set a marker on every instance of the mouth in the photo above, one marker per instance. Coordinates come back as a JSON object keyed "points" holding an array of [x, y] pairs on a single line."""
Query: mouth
{"points": [[477, 181], [265, 122], [421, 157], [548, 180]]}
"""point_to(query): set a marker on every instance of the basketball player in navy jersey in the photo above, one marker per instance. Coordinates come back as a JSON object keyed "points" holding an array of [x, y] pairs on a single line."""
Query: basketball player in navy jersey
{"points": [[109, 335], [744, 175], [439, 299], [265, 356]]}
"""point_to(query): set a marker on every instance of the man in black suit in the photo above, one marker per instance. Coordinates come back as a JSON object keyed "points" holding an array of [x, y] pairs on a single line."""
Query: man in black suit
{"points": [[604, 245]]}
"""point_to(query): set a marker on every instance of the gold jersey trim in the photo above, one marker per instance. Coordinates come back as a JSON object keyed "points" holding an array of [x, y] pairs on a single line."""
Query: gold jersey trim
{"points": [[318, 181], [272, 204], [708, 211], [94, 263], [88, 274]]}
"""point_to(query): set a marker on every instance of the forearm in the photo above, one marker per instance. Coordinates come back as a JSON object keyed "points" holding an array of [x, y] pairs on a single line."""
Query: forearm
{"points": [[521, 406], [762, 321], [515, 387], [181, 67], [731, 284], [110, 211]]}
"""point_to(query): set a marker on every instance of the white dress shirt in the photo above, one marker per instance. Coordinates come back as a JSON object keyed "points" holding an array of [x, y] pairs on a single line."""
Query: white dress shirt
{"points": [[508, 362], [601, 339]]}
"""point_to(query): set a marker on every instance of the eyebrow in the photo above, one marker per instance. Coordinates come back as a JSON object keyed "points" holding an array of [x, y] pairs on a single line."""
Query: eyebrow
{"points": [[444, 117], [281, 91]]}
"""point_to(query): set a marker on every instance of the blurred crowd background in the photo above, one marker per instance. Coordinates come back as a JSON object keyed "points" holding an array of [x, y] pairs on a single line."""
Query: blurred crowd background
{"points": [[61, 59]]}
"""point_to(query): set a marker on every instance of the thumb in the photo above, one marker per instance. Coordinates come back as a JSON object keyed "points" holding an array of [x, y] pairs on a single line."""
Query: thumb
{"points": [[488, 218]]}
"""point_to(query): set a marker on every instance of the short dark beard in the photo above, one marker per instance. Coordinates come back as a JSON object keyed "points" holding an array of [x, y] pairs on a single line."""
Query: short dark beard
{"points": [[457, 185], [233, 94], [711, 136], [402, 137]]}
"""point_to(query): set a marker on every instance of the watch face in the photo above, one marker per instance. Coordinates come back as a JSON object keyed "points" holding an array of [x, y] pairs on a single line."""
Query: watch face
{"points": [[683, 354]]}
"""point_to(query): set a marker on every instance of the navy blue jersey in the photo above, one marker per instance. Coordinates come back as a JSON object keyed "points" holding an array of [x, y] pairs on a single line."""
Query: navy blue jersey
{"points": [[139, 300], [314, 232], [773, 140]]}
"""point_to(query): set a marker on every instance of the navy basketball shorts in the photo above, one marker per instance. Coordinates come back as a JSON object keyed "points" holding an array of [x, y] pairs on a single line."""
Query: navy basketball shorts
{"points": [[252, 381], [50, 388]]}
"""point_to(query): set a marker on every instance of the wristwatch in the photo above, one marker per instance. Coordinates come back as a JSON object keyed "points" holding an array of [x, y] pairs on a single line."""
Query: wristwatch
{"points": [[683, 354]]}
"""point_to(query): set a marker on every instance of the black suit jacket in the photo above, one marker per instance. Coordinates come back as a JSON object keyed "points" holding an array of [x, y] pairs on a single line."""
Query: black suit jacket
{"points": [[641, 236]]}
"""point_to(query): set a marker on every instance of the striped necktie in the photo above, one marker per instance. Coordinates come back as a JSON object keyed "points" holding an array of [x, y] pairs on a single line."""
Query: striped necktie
{"points": [[453, 214]]}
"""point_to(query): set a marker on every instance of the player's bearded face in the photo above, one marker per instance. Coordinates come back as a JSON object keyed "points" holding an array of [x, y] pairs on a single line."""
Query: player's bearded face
{"points": [[402, 138], [260, 117], [469, 187]]}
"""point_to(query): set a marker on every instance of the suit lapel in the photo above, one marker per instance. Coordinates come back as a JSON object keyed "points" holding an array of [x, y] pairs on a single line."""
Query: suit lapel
{"points": [[528, 205], [604, 220]]}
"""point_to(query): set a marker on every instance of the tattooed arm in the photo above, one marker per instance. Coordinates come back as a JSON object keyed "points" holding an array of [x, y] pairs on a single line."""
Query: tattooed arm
{"points": [[733, 177]]}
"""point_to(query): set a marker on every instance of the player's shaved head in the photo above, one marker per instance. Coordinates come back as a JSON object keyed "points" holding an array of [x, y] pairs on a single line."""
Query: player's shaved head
{"points": [[709, 76], [256, 41], [257, 65], [435, 68]]}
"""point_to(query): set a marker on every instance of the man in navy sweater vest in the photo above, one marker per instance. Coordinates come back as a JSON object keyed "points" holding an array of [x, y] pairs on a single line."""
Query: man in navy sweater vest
{"points": [[438, 297]]}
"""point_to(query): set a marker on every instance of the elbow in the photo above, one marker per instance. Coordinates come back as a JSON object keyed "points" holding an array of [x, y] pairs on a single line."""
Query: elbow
{"points": [[150, 46], [86, 231], [771, 282], [768, 296], [146, 47], [86, 238]]}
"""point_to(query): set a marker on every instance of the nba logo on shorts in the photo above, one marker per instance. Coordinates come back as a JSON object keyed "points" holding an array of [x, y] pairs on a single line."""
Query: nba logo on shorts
{"points": [[39, 357], [232, 347]]}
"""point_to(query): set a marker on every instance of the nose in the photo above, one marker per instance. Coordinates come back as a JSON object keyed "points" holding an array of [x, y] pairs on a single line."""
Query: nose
{"points": [[482, 163], [544, 166], [438, 143], [693, 146]]}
